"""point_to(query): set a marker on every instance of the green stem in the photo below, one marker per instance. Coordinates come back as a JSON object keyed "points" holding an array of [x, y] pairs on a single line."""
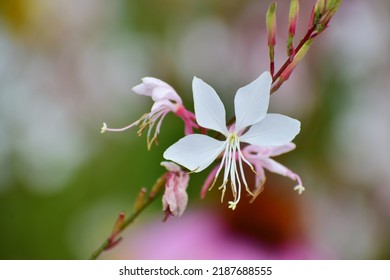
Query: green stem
{"points": [[108, 242]]}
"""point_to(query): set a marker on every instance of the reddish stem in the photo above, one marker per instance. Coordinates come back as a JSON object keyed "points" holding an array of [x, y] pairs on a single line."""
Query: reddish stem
{"points": [[307, 37]]}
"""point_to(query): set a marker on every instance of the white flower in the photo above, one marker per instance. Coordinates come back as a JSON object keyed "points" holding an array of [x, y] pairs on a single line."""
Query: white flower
{"points": [[165, 100], [196, 152]]}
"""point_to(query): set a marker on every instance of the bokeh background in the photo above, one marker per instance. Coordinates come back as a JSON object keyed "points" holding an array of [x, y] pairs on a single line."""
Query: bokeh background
{"points": [[68, 66]]}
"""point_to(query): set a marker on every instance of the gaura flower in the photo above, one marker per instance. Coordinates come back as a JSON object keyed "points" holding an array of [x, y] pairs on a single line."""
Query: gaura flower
{"points": [[253, 126], [175, 197], [260, 158], [165, 100]]}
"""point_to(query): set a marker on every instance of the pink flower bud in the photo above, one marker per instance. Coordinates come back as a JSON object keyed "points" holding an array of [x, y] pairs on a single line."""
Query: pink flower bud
{"points": [[271, 31], [271, 24], [293, 17]]}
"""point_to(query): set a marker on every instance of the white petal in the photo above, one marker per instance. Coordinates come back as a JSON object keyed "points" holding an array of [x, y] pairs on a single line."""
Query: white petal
{"points": [[152, 83], [251, 102], [157, 89], [161, 93], [147, 86], [273, 130], [195, 152], [209, 110]]}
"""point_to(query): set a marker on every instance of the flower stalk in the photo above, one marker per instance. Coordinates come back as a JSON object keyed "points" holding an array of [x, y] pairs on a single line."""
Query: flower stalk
{"points": [[322, 12], [121, 224]]}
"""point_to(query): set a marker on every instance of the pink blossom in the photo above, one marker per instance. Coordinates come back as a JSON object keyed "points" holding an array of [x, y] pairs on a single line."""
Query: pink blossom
{"points": [[165, 100], [207, 235], [175, 197], [260, 158]]}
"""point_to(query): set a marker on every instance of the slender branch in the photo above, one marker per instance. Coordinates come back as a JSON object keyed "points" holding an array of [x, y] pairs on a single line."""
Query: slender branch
{"points": [[309, 35], [109, 242]]}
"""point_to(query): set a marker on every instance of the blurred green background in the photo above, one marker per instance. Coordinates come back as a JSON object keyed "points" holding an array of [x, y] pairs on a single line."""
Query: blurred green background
{"points": [[68, 66]]}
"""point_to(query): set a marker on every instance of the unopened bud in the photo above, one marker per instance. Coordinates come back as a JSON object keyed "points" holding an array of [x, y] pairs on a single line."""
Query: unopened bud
{"points": [[333, 5], [318, 11], [320, 6], [331, 8], [139, 201], [271, 31], [324, 10], [271, 24], [293, 17], [118, 225]]}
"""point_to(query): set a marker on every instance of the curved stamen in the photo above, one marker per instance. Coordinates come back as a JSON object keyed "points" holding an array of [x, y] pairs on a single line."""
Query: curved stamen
{"points": [[105, 128], [221, 164], [240, 159]]}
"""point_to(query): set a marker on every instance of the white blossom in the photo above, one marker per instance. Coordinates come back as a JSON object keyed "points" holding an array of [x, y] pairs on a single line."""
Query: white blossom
{"points": [[253, 126]]}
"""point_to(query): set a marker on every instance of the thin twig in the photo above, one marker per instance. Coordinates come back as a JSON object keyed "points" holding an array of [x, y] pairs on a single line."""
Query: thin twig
{"points": [[108, 243]]}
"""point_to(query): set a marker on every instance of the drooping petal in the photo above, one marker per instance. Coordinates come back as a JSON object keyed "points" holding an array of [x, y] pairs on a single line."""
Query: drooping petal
{"points": [[276, 151], [209, 110], [273, 130], [195, 152], [251, 102], [175, 197], [276, 167]]}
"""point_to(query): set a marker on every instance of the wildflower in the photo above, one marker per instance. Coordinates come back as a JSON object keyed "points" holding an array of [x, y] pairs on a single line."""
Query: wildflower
{"points": [[259, 157], [165, 100], [253, 126], [175, 197]]}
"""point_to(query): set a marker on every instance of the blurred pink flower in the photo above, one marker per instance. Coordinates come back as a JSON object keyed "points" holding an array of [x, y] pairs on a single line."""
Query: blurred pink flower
{"points": [[205, 235]]}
